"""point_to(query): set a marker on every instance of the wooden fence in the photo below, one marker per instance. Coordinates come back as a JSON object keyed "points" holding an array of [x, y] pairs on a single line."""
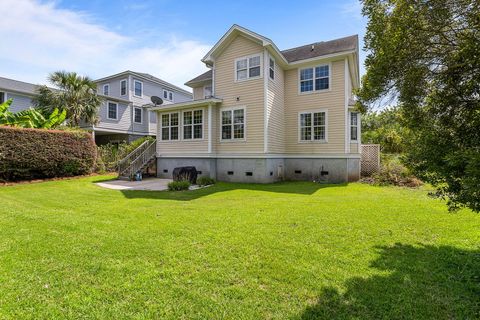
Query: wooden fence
{"points": [[370, 159]]}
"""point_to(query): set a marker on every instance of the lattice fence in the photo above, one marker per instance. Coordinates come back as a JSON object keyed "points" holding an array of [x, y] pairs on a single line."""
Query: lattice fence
{"points": [[370, 159]]}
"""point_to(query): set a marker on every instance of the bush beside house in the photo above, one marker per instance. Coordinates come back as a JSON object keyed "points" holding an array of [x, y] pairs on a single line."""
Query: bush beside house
{"points": [[32, 153]]}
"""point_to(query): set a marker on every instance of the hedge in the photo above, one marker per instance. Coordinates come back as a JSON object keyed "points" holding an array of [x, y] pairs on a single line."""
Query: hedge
{"points": [[35, 153]]}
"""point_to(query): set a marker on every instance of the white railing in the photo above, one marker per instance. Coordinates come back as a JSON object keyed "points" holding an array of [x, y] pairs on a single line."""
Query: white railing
{"points": [[137, 159]]}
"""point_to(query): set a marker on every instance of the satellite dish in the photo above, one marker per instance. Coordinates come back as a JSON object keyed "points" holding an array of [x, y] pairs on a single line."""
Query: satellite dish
{"points": [[156, 100]]}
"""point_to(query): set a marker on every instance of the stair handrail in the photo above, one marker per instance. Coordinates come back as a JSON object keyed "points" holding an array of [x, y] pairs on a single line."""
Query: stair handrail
{"points": [[136, 164], [136, 150]]}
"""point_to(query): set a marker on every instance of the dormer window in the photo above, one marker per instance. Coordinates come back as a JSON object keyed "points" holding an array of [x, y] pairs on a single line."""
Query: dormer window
{"points": [[248, 67]]}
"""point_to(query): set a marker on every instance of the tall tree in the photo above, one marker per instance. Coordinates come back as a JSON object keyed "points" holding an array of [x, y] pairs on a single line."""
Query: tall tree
{"points": [[426, 54], [76, 94]]}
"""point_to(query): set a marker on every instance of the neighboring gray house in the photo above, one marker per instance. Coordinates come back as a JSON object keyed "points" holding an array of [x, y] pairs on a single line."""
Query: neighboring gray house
{"points": [[123, 115]]}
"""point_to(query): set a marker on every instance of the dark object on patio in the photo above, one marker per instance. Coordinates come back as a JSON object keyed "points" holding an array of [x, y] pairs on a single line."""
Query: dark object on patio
{"points": [[185, 173]]}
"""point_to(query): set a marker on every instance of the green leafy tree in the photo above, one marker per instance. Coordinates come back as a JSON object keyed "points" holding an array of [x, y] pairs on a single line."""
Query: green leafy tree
{"points": [[426, 55], [76, 94], [31, 118]]}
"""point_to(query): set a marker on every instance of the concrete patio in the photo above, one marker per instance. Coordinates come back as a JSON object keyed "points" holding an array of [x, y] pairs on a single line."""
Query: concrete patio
{"points": [[151, 184]]}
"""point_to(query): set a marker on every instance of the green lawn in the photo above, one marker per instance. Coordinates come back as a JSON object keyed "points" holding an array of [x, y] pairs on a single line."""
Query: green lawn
{"points": [[70, 249]]}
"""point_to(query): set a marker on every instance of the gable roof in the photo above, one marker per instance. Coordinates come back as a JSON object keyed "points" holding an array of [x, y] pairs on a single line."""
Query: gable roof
{"points": [[201, 78], [18, 86], [323, 48], [146, 76]]}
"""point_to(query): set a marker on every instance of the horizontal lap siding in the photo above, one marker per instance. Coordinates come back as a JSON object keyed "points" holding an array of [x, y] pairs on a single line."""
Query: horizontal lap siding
{"points": [[183, 146], [333, 100], [276, 111], [250, 92], [354, 148], [124, 118], [20, 102]]}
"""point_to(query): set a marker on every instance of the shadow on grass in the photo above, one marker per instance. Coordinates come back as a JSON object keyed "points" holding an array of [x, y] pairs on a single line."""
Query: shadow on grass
{"points": [[301, 188], [424, 282]]}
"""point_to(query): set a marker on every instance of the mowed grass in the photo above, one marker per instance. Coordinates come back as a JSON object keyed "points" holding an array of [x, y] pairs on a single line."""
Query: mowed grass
{"points": [[70, 249]]}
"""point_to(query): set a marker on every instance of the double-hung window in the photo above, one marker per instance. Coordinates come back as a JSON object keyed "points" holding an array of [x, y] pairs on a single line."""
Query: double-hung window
{"points": [[168, 95], [233, 124], [112, 110], [106, 89], [248, 67], [193, 124], [123, 87], [137, 116], [138, 86], [170, 126], [313, 126], [271, 68], [315, 78], [354, 126]]}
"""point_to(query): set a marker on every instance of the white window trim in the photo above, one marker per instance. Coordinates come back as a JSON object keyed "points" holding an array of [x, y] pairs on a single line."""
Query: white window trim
{"points": [[116, 108], [179, 126], [168, 94], [233, 140], [329, 64], [203, 125], [248, 67], [134, 93], [126, 87], [350, 126], [141, 115], [300, 131], [107, 85], [274, 68]]}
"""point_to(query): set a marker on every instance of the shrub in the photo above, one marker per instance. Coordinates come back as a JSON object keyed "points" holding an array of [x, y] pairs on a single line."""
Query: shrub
{"points": [[111, 153], [205, 181], [179, 185], [33, 153], [393, 172]]}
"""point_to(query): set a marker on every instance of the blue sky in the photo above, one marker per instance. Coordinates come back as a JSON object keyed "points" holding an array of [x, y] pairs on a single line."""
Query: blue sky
{"points": [[166, 38]]}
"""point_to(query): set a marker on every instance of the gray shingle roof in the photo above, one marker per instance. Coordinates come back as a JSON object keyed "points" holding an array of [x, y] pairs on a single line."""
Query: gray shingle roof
{"points": [[18, 86], [203, 77], [321, 48], [149, 76]]}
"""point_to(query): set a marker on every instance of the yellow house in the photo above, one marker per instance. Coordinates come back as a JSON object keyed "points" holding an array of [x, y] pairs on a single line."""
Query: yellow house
{"points": [[262, 115]]}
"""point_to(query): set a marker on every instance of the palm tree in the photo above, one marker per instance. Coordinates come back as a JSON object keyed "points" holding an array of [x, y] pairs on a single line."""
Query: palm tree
{"points": [[76, 94]]}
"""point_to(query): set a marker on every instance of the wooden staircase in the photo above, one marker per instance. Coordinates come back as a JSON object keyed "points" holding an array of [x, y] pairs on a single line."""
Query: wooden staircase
{"points": [[138, 160]]}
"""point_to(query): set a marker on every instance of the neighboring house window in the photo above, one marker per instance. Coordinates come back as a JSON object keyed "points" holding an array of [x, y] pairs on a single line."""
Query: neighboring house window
{"points": [[170, 126], [2, 97], [271, 69], [313, 126], [123, 87], [168, 95], [315, 79], [112, 111], [106, 89], [137, 116], [233, 124], [193, 124], [248, 67], [354, 126], [138, 86], [207, 90]]}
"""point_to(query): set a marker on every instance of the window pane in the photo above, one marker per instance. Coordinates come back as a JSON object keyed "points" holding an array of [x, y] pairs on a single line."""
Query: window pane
{"points": [[170, 96], [272, 74], [238, 131], [165, 132], [138, 88], [174, 119], [272, 63], [254, 72], [2, 97], [105, 90], [319, 118], [242, 74], [197, 131], [321, 84], [112, 110], [306, 86], [321, 71], [197, 116], [123, 88], [353, 133], [187, 117], [306, 74], [242, 64], [226, 117], [319, 133], [238, 116], [254, 61], [138, 115], [353, 118], [305, 119], [306, 133], [174, 133], [165, 94], [187, 132], [165, 121], [227, 132]]}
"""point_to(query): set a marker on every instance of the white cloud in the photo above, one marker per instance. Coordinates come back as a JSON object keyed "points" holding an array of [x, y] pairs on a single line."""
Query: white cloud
{"points": [[39, 38]]}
